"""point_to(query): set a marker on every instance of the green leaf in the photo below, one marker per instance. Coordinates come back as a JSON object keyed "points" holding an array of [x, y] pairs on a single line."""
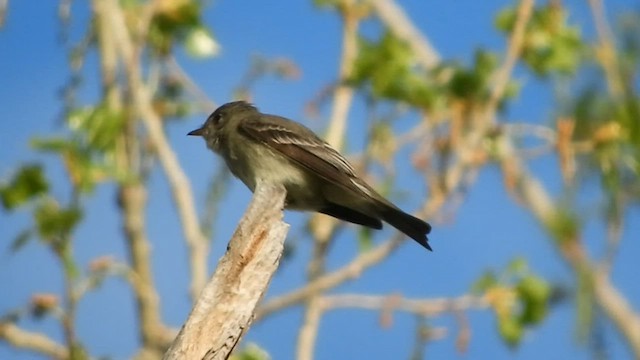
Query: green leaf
{"points": [[473, 83], [517, 266], [251, 352], [486, 281], [511, 330], [201, 44], [89, 152], [534, 294], [28, 183], [365, 239], [21, 240], [563, 225], [506, 19], [172, 23], [550, 45], [387, 69], [53, 222]]}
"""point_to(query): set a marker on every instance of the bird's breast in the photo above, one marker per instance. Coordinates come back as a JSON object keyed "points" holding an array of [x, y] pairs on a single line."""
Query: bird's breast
{"points": [[255, 161]]}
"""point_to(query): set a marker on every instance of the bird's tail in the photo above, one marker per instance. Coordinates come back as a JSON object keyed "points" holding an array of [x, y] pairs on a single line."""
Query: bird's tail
{"points": [[413, 227]]}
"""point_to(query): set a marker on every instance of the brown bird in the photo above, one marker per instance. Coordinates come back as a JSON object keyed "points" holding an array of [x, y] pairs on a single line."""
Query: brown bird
{"points": [[315, 176]]}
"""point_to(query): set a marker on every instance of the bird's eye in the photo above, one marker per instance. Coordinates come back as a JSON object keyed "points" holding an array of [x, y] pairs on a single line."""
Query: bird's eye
{"points": [[215, 118]]}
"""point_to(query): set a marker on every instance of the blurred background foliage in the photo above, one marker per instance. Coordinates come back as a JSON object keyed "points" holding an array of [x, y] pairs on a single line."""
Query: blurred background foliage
{"points": [[595, 136]]}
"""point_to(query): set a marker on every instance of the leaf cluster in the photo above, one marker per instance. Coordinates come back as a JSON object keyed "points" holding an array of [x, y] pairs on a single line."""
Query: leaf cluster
{"points": [[520, 299]]}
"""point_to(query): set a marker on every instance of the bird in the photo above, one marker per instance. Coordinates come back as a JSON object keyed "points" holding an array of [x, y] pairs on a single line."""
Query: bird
{"points": [[316, 177]]}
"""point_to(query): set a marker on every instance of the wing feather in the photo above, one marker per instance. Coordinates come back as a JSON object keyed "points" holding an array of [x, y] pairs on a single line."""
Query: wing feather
{"points": [[302, 146]]}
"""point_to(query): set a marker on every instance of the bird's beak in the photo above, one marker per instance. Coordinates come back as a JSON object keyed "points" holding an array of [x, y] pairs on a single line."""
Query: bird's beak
{"points": [[197, 132]]}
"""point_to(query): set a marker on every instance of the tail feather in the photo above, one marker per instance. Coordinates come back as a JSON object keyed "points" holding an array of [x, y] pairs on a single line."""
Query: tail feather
{"points": [[413, 227], [351, 215]]}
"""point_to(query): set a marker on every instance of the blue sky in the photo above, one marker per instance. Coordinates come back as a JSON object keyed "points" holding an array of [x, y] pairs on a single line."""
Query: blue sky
{"points": [[487, 231]]}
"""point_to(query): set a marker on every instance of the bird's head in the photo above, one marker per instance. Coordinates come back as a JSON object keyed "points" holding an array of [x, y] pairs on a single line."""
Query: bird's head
{"points": [[228, 114]]}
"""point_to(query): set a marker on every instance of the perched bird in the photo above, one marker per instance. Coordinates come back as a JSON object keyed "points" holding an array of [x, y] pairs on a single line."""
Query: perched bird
{"points": [[315, 176]]}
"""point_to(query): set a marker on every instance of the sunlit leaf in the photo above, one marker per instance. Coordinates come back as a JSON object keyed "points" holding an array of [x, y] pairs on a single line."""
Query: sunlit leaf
{"points": [[28, 183], [251, 352], [511, 330], [534, 293], [484, 282], [54, 222], [200, 43]]}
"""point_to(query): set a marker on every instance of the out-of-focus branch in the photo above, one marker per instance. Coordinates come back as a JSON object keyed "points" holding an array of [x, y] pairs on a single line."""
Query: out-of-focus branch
{"points": [[309, 329], [399, 23], [606, 51], [3, 11], [426, 307], [534, 196], [133, 200], [323, 227], [204, 103], [333, 279], [468, 145], [514, 49], [178, 181], [343, 93], [39, 343], [622, 315], [132, 195], [225, 309]]}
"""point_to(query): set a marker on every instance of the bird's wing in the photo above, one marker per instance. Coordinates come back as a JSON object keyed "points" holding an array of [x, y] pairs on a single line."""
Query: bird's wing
{"points": [[303, 147]]}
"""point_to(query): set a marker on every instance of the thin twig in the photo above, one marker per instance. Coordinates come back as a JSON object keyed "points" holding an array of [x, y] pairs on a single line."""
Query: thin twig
{"points": [[607, 51], [309, 330], [514, 49], [343, 93], [427, 307], [350, 271], [205, 104]]}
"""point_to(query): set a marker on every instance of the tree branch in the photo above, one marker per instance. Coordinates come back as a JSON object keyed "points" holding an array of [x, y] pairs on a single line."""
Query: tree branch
{"points": [[426, 307], [514, 49], [32, 341], [394, 17], [225, 309], [350, 271], [323, 228], [534, 196], [178, 182]]}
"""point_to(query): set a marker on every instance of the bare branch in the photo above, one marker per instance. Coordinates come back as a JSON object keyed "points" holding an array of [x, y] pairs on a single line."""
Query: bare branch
{"points": [[514, 49], [204, 103], [178, 181], [617, 308], [425, 307], [330, 280], [32, 341], [225, 309], [323, 228], [606, 51], [343, 93], [309, 329], [132, 195]]}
